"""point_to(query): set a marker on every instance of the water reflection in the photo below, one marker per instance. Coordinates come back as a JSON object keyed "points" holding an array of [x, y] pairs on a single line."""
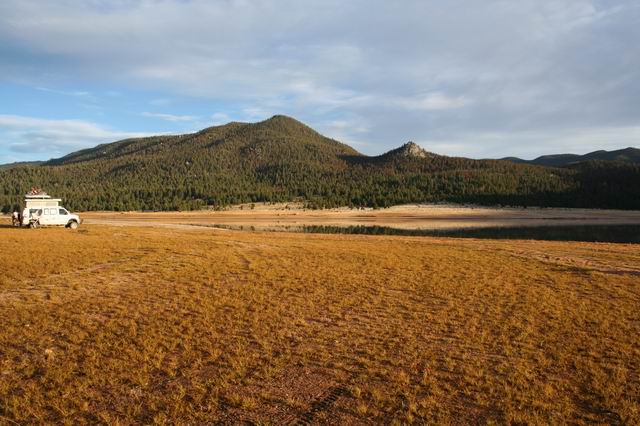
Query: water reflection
{"points": [[587, 233]]}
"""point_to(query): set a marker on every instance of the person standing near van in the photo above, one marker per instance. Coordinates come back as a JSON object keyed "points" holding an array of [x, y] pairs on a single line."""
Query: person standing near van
{"points": [[25, 216], [15, 218]]}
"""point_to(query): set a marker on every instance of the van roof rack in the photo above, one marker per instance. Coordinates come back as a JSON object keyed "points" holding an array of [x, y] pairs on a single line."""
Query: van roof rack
{"points": [[36, 193]]}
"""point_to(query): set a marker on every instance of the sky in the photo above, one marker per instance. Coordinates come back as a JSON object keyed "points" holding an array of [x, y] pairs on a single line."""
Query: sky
{"points": [[481, 79]]}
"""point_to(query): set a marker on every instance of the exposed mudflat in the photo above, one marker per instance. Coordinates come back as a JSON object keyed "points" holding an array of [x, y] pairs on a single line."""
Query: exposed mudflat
{"points": [[402, 217]]}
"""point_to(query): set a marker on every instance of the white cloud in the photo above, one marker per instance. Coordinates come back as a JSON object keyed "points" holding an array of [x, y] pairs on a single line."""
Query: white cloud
{"points": [[220, 118], [346, 125], [349, 130], [30, 136], [169, 117], [160, 102], [77, 93], [432, 102]]}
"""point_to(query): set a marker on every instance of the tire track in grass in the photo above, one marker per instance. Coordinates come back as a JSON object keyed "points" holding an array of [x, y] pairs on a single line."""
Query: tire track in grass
{"points": [[322, 403], [24, 291]]}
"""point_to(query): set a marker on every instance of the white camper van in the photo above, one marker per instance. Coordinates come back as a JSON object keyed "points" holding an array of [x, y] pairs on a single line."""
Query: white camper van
{"points": [[42, 210]]}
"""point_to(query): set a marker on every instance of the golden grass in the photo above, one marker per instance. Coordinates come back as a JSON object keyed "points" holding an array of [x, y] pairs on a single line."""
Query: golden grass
{"points": [[170, 326]]}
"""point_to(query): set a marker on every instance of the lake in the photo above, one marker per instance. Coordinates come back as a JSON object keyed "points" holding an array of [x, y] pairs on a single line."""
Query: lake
{"points": [[587, 233]]}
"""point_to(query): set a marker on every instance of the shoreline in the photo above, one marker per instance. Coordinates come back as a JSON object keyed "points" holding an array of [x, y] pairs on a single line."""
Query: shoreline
{"points": [[412, 216]]}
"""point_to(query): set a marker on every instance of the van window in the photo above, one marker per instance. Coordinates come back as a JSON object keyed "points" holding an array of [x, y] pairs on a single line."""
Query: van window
{"points": [[62, 211]]}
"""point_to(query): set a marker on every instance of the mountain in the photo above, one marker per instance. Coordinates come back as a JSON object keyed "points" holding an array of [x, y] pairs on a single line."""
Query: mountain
{"points": [[627, 155], [409, 150], [259, 143], [19, 164], [281, 159]]}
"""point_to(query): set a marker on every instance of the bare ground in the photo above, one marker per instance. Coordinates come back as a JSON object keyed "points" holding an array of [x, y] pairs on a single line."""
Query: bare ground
{"points": [[403, 217]]}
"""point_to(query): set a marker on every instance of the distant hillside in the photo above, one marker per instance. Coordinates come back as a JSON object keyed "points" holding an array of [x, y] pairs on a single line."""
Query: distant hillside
{"points": [[20, 164], [262, 142], [627, 155], [281, 159]]}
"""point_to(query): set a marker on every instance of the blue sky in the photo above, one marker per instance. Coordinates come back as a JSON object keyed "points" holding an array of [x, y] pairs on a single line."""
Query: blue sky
{"points": [[461, 77]]}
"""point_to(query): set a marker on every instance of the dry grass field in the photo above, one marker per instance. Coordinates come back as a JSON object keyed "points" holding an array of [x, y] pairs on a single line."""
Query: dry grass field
{"points": [[124, 325]]}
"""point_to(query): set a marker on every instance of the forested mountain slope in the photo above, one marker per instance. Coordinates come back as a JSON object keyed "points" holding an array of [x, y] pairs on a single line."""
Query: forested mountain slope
{"points": [[281, 159], [627, 155]]}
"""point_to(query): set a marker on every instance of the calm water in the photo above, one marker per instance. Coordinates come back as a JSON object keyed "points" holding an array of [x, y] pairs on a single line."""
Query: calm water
{"points": [[589, 233]]}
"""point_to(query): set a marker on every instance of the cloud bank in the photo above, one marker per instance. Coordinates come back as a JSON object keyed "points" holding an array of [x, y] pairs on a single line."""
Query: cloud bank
{"points": [[33, 135], [462, 77], [169, 117]]}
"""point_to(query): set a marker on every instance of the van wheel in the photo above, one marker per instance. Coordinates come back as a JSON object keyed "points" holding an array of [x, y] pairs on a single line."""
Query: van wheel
{"points": [[73, 225], [33, 225]]}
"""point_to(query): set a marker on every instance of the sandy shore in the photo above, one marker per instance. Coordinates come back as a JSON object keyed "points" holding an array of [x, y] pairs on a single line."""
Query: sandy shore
{"points": [[404, 217]]}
